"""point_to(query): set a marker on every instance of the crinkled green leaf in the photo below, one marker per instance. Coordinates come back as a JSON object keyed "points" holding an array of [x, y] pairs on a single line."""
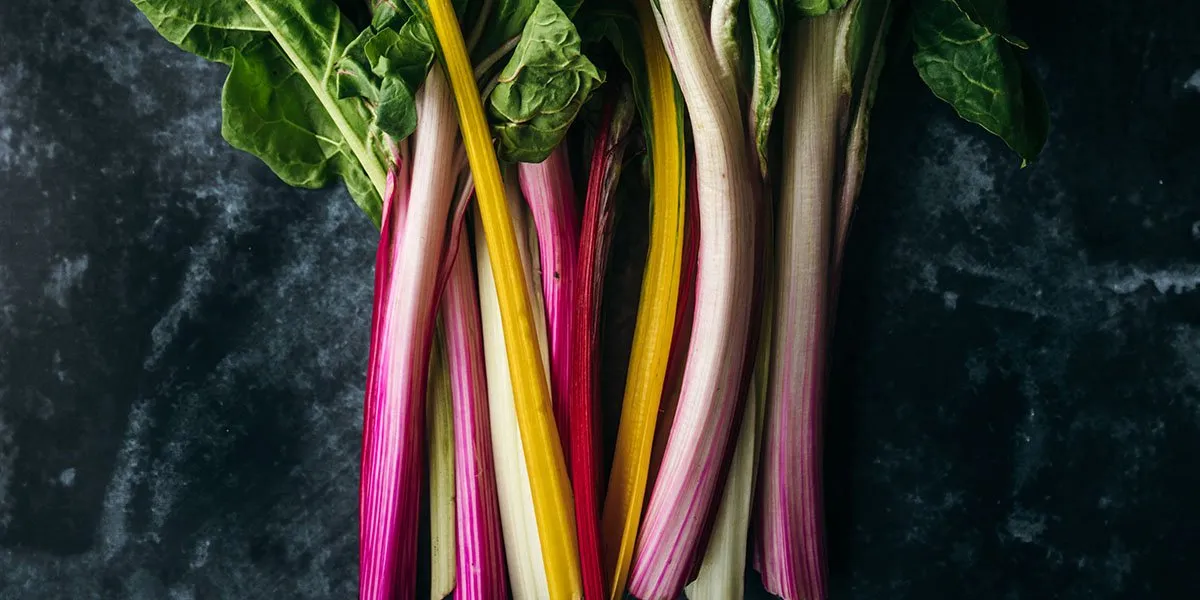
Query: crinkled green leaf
{"points": [[389, 14], [507, 19], [542, 87], [977, 71], [405, 53], [385, 67], [813, 8], [396, 113], [766, 28], [280, 100], [353, 78]]}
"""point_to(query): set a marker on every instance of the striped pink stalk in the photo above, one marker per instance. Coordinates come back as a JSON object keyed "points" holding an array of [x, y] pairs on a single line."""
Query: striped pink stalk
{"points": [[707, 410], [790, 536], [548, 189], [394, 418], [480, 572]]}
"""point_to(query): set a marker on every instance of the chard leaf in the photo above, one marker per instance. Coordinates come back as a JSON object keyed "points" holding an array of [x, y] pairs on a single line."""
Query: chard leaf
{"points": [[619, 27], [396, 113], [542, 87], [212, 29], [976, 69], [280, 101], [766, 26], [507, 19], [385, 67], [814, 8], [387, 14], [353, 78], [405, 53]]}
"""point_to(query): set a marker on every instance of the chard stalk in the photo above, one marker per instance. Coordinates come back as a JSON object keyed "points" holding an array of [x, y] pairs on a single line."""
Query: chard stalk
{"points": [[526, 565], [440, 428], [480, 570], [550, 194], [392, 463], [684, 491], [791, 555], [723, 569], [837, 58], [543, 452], [653, 333], [584, 378]]}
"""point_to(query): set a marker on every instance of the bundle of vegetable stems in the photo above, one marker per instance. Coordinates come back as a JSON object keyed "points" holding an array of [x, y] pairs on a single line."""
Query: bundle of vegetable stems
{"points": [[496, 144]]}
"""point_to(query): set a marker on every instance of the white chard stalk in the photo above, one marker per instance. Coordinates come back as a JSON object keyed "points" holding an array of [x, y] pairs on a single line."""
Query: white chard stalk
{"points": [[523, 551], [684, 492]]}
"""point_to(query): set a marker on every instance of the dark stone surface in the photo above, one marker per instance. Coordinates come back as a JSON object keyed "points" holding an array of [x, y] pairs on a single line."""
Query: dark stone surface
{"points": [[1016, 401]]}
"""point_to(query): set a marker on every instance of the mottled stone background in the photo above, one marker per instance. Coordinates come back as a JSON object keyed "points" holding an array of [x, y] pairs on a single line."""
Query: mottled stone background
{"points": [[1016, 405]]}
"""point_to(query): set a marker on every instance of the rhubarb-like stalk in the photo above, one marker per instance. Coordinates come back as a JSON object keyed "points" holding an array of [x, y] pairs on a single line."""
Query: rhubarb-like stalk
{"points": [[584, 381], [526, 566], [791, 555], [392, 464], [543, 452], [653, 333], [704, 417], [440, 429], [548, 189], [480, 572]]}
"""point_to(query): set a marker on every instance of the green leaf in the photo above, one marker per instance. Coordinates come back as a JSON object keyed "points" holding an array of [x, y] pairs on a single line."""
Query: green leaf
{"points": [[386, 67], [814, 8], [353, 77], [542, 87], [507, 19], [280, 101], [766, 27], [269, 111], [619, 27], [977, 71], [213, 29], [405, 53], [396, 113]]}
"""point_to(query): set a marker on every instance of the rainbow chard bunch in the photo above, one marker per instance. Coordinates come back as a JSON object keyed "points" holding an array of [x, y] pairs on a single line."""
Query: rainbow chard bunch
{"points": [[491, 149]]}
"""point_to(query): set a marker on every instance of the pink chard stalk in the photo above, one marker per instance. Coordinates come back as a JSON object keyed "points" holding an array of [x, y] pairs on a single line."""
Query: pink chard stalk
{"points": [[480, 573], [548, 189], [394, 419]]}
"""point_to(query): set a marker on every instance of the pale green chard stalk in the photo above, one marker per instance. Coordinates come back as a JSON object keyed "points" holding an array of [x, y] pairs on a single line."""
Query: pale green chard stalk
{"points": [[440, 427]]}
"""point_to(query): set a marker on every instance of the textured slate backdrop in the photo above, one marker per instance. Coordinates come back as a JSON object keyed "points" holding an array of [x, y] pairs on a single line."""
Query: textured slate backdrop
{"points": [[1016, 404]]}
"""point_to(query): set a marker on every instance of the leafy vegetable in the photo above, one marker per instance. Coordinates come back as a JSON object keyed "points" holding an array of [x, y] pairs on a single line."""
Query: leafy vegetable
{"points": [[279, 102], [967, 57], [548, 189], [542, 87], [392, 465]]}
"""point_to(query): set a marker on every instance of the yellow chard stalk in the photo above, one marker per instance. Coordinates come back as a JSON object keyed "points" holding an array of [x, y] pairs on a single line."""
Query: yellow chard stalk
{"points": [[627, 482], [543, 453]]}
